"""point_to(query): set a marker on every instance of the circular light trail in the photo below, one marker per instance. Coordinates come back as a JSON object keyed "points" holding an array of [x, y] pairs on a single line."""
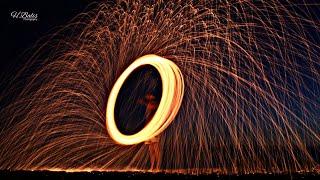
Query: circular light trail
{"points": [[172, 93]]}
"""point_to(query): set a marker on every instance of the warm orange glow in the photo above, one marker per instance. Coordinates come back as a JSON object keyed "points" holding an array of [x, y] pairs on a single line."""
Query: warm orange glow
{"points": [[172, 93]]}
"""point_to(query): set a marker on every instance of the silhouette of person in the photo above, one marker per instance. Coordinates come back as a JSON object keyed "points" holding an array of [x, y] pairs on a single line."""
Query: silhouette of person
{"points": [[153, 144]]}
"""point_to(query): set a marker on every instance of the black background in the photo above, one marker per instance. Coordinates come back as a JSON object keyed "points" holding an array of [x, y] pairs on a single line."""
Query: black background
{"points": [[17, 35]]}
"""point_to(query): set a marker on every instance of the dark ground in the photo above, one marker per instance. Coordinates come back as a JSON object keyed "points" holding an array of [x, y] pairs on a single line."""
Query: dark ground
{"points": [[136, 175]]}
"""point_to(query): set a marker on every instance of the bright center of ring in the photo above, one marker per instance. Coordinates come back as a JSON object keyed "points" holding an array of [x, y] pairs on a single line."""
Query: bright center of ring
{"points": [[172, 94]]}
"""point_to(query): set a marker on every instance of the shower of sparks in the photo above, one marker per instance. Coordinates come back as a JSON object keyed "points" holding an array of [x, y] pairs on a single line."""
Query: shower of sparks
{"points": [[251, 76]]}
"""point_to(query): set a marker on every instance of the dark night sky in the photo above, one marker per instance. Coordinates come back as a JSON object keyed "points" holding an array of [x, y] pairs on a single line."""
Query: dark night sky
{"points": [[17, 35]]}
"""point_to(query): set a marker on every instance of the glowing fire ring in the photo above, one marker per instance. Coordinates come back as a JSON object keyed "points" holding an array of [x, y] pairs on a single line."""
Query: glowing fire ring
{"points": [[172, 93]]}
